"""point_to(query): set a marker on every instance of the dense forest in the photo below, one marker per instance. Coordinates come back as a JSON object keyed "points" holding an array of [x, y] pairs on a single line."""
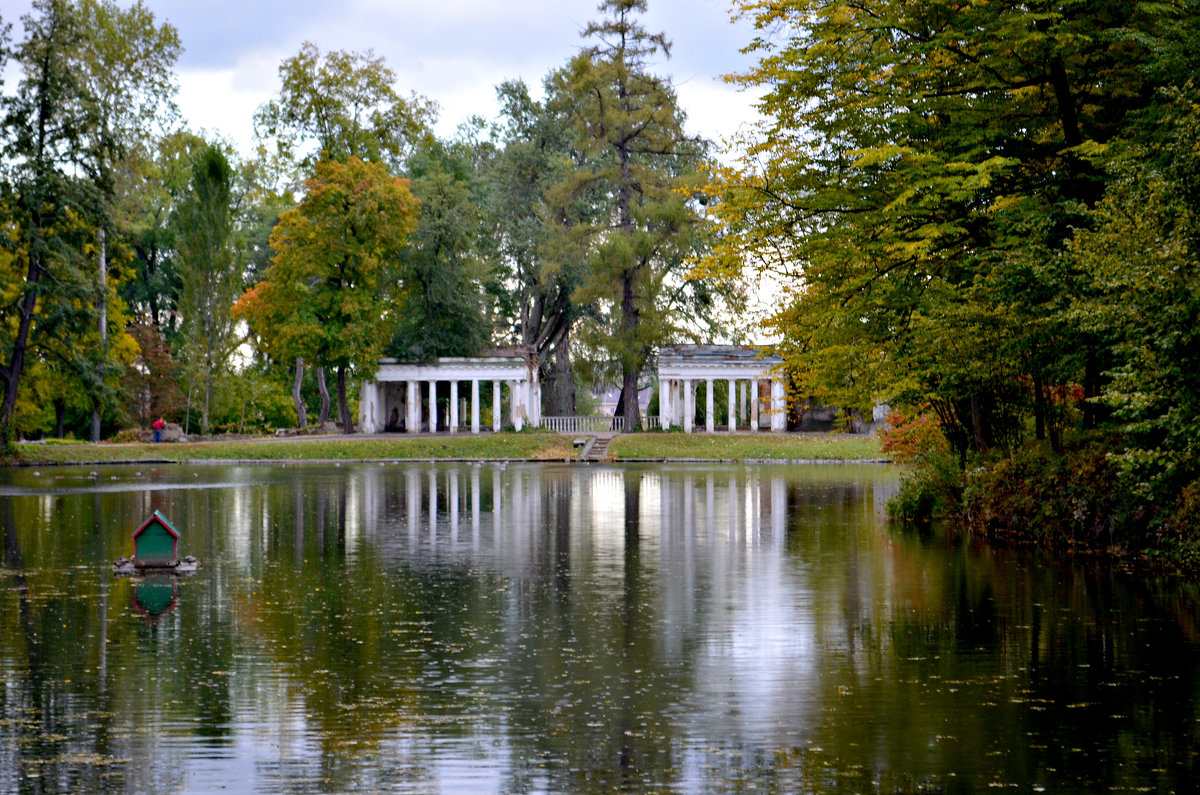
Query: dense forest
{"points": [[986, 215], [982, 215], [146, 271]]}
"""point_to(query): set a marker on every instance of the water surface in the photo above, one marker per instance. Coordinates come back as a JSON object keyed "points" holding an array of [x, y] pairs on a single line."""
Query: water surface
{"points": [[551, 628]]}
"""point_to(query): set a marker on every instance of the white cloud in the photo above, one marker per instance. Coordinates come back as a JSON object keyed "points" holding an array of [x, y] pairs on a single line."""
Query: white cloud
{"points": [[452, 51], [231, 117]]}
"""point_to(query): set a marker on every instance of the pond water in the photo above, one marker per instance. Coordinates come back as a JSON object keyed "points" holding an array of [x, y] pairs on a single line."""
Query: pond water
{"points": [[554, 628]]}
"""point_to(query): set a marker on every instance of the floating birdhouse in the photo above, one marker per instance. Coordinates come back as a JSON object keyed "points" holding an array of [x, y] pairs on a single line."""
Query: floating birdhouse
{"points": [[156, 543]]}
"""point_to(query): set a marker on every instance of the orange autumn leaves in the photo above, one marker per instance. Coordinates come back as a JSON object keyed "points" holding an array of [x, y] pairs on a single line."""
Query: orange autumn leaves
{"points": [[334, 268]]}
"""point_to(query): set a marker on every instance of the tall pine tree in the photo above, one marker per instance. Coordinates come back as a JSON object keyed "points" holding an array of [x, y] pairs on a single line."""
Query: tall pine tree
{"points": [[636, 174]]}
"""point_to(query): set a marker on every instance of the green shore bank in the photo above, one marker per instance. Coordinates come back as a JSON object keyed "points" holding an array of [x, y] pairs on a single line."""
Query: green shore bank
{"points": [[1049, 526], [527, 445]]}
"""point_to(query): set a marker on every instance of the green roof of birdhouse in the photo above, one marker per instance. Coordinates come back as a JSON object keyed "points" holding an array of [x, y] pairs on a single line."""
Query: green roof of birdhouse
{"points": [[156, 542]]}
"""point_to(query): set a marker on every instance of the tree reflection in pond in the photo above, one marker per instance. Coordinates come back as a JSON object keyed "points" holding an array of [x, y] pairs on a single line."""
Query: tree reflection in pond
{"points": [[555, 627]]}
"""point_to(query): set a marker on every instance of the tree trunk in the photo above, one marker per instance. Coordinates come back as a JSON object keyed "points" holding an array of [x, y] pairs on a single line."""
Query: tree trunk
{"points": [[12, 373], [102, 313], [324, 390], [629, 381], [1039, 406], [560, 381], [60, 411], [343, 408], [207, 400], [1091, 387], [95, 424], [981, 444], [301, 411], [1055, 427]]}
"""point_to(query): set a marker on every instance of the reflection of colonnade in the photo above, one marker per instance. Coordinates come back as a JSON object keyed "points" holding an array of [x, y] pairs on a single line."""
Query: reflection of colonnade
{"points": [[749, 511], [444, 394], [681, 368], [533, 513]]}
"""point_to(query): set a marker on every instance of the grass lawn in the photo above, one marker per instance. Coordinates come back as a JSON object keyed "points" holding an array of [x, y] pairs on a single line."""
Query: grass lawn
{"points": [[535, 445], [743, 447]]}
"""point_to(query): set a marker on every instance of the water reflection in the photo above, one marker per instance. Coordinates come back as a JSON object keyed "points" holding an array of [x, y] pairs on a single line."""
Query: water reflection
{"points": [[155, 595], [555, 628]]}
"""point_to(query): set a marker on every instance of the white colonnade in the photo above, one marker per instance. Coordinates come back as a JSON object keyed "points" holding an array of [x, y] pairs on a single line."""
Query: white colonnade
{"points": [[743, 370], [417, 397]]}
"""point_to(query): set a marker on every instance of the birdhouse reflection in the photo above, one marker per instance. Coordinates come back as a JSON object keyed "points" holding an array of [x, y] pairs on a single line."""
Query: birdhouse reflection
{"points": [[155, 596]]}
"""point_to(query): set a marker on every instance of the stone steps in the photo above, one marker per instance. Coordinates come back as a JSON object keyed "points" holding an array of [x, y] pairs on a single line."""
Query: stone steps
{"points": [[597, 447]]}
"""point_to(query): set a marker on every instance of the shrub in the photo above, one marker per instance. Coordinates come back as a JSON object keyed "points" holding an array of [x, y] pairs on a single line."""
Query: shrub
{"points": [[933, 485], [912, 440], [1032, 494], [1180, 533]]}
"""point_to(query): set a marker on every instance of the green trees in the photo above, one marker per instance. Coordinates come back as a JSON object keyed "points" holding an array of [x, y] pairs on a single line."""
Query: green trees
{"points": [[332, 109], [347, 106], [922, 166], [624, 207], [321, 299], [442, 272], [209, 272], [125, 238], [982, 211], [1144, 300], [534, 152], [95, 79]]}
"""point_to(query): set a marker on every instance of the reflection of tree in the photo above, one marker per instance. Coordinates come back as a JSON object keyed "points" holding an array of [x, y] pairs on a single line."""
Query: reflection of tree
{"points": [[16, 564], [631, 605], [62, 717], [354, 645], [47, 727], [592, 689]]}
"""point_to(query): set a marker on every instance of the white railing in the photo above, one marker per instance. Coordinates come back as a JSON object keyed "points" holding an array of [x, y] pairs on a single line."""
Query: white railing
{"points": [[583, 424]]}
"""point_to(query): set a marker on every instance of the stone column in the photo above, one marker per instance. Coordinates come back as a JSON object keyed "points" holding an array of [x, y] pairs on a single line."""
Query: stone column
{"points": [[517, 403], [689, 406], [732, 405], [433, 406], [533, 388], [495, 405], [754, 404], [367, 397], [474, 405], [778, 410], [453, 407], [742, 389], [664, 404], [676, 403], [412, 408], [710, 422]]}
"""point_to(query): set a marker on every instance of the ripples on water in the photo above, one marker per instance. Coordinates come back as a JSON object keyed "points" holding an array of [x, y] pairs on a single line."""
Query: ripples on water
{"points": [[562, 628]]}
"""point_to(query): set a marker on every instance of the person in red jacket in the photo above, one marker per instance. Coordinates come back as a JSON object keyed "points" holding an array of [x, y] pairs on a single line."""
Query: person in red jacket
{"points": [[158, 429]]}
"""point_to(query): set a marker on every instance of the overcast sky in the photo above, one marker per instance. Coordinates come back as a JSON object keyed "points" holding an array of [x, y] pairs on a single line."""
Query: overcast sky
{"points": [[452, 51]]}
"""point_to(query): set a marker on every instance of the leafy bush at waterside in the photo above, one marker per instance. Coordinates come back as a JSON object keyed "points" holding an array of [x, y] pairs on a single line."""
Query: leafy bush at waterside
{"points": [[1080, 499]]}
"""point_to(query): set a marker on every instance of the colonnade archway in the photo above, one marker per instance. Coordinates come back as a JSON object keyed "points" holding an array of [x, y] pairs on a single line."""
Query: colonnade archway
{"points": [[445, 395], [754, 383]]}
